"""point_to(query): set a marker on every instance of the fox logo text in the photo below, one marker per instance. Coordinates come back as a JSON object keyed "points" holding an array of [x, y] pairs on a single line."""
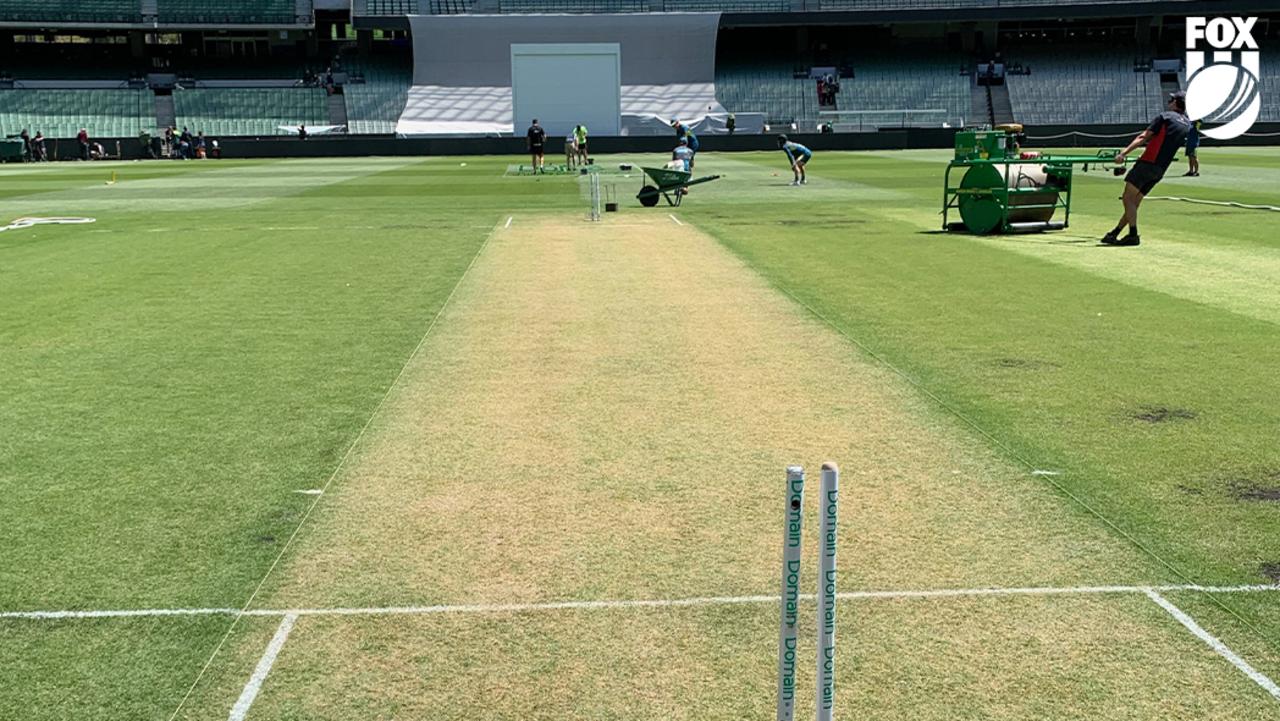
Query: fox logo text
{"points": [[1222, 75]]}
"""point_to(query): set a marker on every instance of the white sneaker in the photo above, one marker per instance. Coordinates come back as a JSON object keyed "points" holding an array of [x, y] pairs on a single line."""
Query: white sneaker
{"points": [[795, 183], [804, 181]]}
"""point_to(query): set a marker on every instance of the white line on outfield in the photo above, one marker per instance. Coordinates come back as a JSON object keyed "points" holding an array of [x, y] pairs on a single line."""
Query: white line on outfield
{"points": [[509, 219], [1221, 648], [635, 603], [263, 668], [342, 462], [673, 217]]}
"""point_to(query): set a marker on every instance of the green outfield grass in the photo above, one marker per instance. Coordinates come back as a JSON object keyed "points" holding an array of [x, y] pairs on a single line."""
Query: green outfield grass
{"points": [[507, 404]]}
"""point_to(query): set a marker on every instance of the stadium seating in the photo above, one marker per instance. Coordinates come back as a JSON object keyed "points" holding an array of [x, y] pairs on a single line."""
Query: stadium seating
{"points": [[727, 6], [375, 105], [62, 113], [98, 11], [227, 11], [1082, 84], [573, 6], [765, 85], [249, 111], [920, 82], [417, 7], [1270, 82]]}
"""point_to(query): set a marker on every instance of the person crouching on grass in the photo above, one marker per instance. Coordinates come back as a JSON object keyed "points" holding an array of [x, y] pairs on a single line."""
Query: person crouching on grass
{"points": [[1166, 133], [798, 155]]}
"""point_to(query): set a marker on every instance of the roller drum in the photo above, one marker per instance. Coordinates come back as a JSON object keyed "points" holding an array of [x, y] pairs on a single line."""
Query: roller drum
{"points": [[982, 213]]}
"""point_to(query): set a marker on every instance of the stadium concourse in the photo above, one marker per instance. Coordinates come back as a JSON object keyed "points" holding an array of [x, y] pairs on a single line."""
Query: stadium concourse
{"points": [[499, 360]]}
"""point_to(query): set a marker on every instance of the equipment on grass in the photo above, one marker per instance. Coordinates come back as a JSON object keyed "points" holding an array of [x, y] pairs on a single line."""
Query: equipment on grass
{"points": [[1005, 189], [596, 199], [829, 508], [792, 536], [667, 183]]}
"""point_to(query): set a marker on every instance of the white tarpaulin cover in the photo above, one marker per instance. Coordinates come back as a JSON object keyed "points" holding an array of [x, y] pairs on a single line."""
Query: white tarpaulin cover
{"points": [[462, 69]]}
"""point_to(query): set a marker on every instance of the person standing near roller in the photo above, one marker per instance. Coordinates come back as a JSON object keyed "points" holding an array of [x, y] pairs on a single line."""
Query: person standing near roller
{"points": [[1193, 146], [580, 136], [536, 140], [1166, 133], [570, 150], [798, 155]]}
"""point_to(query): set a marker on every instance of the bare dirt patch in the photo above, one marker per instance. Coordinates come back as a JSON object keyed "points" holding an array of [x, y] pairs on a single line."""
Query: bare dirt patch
{"points": [[1162, 414], [1028, 364], [1260, 485]]}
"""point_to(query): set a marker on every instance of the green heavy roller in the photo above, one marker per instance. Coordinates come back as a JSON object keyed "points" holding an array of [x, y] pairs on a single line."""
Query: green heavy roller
{"points": [[1005, 189]]}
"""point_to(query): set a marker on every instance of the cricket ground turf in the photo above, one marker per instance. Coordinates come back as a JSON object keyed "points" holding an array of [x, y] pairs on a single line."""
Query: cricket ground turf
{"points": [[413, 439]]}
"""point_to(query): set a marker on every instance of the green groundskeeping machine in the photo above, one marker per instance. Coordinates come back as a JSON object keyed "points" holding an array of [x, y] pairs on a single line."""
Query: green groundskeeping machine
{"points": [[1004, 189]]}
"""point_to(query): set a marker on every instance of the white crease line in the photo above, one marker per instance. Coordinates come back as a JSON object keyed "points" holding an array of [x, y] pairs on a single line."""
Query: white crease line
{"points": [[1045, 473], [509, 219], [1221, 648], [254, 685], [310, 491], [638, 603], [673, 217]]}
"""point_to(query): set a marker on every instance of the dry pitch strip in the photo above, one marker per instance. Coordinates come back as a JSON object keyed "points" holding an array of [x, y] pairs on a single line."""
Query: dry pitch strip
{"points": [[793, 525]]}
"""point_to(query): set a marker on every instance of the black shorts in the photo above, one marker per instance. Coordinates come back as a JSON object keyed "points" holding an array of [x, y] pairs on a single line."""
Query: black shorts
{"points": [[536, 149], [1191, 150], [1144, 176]]}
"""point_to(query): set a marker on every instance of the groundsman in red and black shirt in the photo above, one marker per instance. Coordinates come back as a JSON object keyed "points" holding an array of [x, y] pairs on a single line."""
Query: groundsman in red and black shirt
{"points": [[1163, 137]]}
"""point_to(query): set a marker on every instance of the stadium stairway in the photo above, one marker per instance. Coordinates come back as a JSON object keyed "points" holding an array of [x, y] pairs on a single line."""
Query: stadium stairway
{"points": [[980, 104], [166, 116], [1001, 105], [337, 110]]}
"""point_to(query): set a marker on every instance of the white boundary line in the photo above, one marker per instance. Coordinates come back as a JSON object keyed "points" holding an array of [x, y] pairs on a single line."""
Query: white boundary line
{"points": [[254, 685], [673, 217], [1221, 648], [632, 603], [342, 462]]}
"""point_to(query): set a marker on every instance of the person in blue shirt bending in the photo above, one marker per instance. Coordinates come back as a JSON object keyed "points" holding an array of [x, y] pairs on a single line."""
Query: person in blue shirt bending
{"points": [[684, 131], [798, 155], [683, 155]]}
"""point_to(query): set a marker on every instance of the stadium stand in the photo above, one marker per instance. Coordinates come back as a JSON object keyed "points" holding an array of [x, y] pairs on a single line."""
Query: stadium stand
{"points": [[227, 11], [62, 113], [1081, 84], [375, 105], [573, 6], [726, 6], [1270, 81], [415, 7], [249, 111], [762, 82], [98, 11]]}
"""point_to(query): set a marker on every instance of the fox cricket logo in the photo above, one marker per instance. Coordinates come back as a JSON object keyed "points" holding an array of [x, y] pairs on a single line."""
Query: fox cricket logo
{"points": [[1225, 90]]}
